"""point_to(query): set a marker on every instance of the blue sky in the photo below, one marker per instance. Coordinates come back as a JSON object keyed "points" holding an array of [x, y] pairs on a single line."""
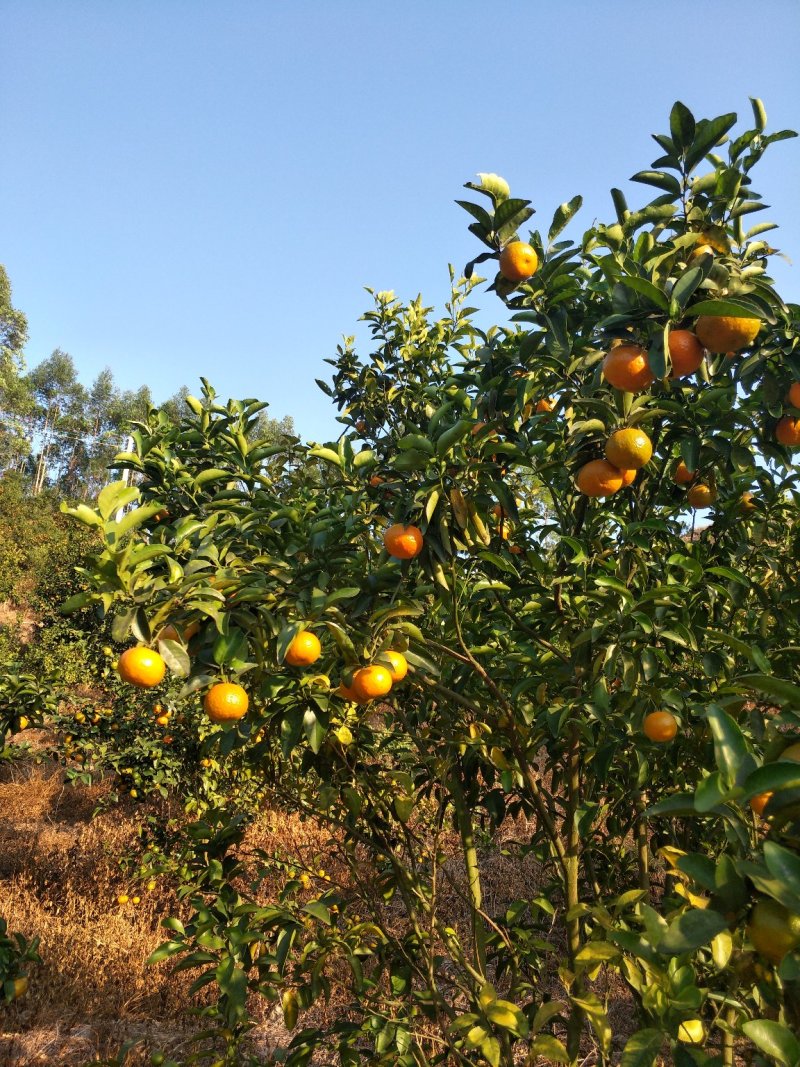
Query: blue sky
{"points": [[204, 188]]}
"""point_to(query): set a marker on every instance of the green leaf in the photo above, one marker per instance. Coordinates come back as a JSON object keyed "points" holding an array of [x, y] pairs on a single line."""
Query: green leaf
{"points": [[327, 454], [661, 180], [549, 1048], [490, 1048], [176, 658], [730, 748], [723, 307], [641, 285], [783, 865], [83, 513], [783, 691], [508, 1017], [642, 1048], [314, 730], [214, 474], [775, 1039], [597, 952], [691, 931], [317, 910], [681, 126], [708, 133], [115, 496], [685, 286], [562, 216]]}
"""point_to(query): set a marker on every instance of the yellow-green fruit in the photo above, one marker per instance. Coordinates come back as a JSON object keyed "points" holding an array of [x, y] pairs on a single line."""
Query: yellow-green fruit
{"points": [[20, 987], [692, 1032], [773, 930]]}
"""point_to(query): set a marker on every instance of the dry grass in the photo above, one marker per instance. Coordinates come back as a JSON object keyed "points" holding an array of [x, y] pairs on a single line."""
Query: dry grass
{"points": [[60, 875]]}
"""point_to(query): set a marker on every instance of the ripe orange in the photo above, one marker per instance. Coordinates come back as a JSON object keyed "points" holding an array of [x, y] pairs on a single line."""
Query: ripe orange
{"points": [[371, 682], [629, 449], [747, 501], [346, 692], [793, 396], [518, 261], [225, 702], [598, 478], [660, 726], [375, 481], [162, 720], [304, 650], [403, 542], [787, 432], [773, 930], [399, 668], [546, 405], [628, 477], [682, 475], [759, 802], [686, 353], [141, 667], [626, 367], [701, 495], [726, 333]]}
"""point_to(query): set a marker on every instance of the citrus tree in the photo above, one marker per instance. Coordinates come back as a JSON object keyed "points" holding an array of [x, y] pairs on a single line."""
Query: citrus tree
{"points": [[540, 592]]}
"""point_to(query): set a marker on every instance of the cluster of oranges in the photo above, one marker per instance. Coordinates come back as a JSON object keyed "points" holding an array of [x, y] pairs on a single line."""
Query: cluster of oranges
{"points": [[626, 368]]}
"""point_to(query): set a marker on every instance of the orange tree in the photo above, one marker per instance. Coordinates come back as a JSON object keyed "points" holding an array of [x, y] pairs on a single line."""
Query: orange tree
{"points": [[591, 671]]}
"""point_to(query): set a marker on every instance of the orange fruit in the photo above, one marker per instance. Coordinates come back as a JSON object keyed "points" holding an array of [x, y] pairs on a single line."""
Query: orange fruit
{"points": [[304, 650], [545, 405], [375, 481], [660, 726], [598, 478], [399, 668], [403, 542], [626, 367], [515, 550], [371, 682], [773, 930], [759, 802], [628, 477], [225, 702], [682, 475], [726, 333], [629, 449], [20, 987], [746, 501], [518, 261], [701, 495], [346, 692], [141, 667], [162, 720], [685, 352], [787, 432], [715, 238], [793, 396], [190, 631], [701, 250]]}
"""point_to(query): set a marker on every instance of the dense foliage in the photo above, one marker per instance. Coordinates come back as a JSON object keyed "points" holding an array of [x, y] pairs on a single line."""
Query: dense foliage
{"points": [[541, 628]]}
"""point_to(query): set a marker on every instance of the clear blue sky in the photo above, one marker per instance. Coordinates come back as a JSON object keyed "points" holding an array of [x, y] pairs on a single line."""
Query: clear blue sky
{"points": [[204, 188]]}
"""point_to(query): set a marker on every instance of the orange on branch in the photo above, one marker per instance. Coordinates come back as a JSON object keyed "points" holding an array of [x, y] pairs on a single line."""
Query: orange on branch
{"points": [[141, 667], [518, 261], [759, 802], [371, 682], [682, 475], [225, 702], [660, 726], [628, 477], [793, 396], [403, 542], [545, 406], [787, 432], [598, 478], [626, 367], [629, 449], [701, 495], [399, 668], [726, 333], [304, 650], [685, 352]]}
